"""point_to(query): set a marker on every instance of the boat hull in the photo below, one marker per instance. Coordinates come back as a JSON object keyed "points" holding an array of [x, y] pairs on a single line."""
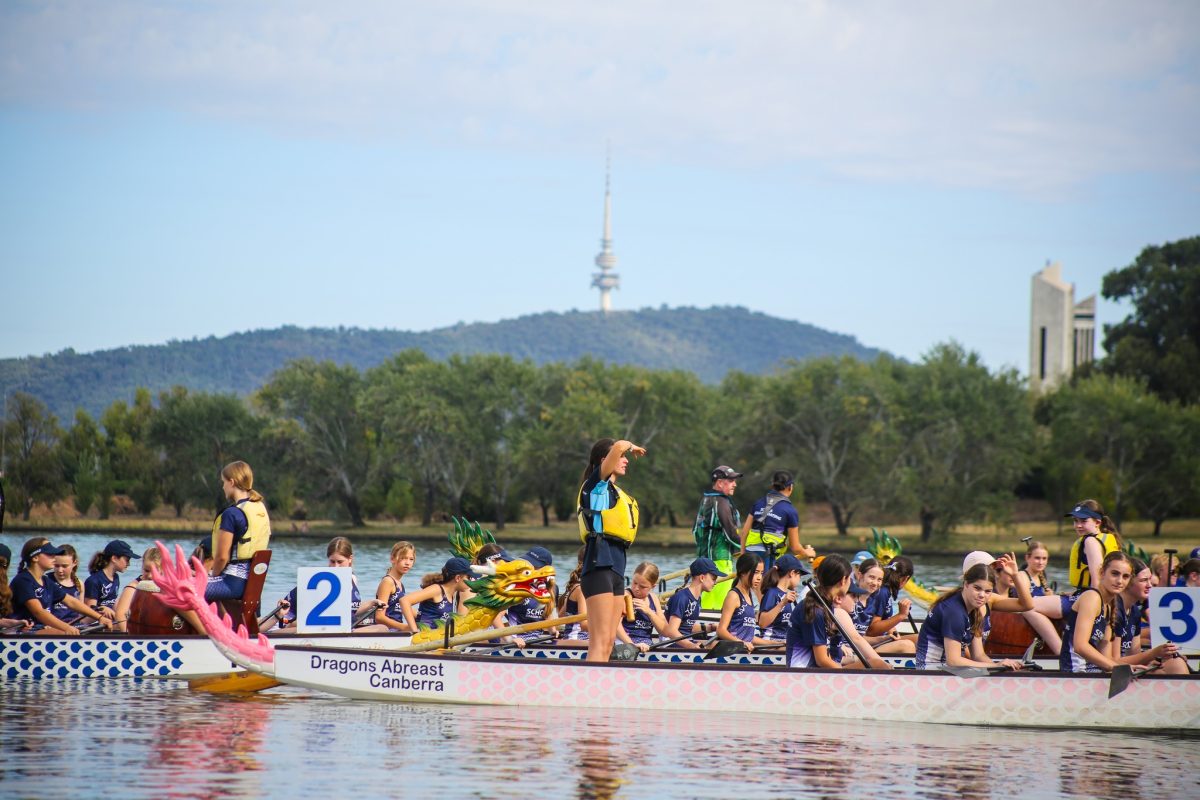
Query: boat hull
{"points": [[1012, 699]]}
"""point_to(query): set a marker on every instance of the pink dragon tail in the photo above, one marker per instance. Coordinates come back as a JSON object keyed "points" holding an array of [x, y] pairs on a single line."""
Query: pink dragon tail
{"points": [[182, 588]]}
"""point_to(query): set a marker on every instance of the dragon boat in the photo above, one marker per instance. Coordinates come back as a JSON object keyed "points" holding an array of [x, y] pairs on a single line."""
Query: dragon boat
{"points": [[1034, 699]]}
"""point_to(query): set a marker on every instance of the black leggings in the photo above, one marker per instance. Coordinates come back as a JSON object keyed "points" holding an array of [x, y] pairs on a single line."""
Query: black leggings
{"points": [[602, 581]]}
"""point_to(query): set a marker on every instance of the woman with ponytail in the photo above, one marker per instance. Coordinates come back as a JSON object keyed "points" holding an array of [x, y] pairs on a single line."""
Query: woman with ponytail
{"points": [[814, 639], [239, 531], [608, 523], [439, 597], [1091, 621], [34, 591], [1130, 608]]}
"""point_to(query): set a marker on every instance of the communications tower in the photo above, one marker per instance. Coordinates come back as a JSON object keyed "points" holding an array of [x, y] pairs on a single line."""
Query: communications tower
{"points": [[606, 280]]}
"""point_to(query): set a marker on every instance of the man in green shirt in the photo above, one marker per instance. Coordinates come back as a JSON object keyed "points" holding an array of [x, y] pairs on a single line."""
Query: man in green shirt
{"points": [[716, 531]]}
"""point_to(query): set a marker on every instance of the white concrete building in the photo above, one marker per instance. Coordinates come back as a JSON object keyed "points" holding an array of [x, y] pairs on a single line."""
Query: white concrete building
{"points": [[1062, 333]]}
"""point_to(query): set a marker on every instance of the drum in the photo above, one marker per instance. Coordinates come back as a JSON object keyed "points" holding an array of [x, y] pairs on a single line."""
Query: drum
{"points": [[1011, 637], [148, 616]]}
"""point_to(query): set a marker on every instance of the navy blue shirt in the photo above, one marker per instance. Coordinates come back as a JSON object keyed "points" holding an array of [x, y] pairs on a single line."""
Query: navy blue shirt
{"points": [[524, 613], [641, 629], [1129, 626], [430, 612], [393, 610], [947, 620], [782, 517], [25, 588], [804, 636], [777, 630], [1068, 659], [99, 588], [881, 603], [601, 552], [61, 609], [686, 606]]}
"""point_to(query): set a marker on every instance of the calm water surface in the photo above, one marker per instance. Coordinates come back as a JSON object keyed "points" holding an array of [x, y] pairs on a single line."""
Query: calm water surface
{"points": [[144, 738]]}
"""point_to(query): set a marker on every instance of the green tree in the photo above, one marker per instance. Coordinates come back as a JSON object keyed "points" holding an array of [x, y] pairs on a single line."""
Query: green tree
{"points": [[132, 459], [1159, 342], [833, 420], [968, 439], [82, 454], [322, 432], [34, 471]]}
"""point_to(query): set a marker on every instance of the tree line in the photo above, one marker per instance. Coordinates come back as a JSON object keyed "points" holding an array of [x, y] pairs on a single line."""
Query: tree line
{"points": [[944, 441]]}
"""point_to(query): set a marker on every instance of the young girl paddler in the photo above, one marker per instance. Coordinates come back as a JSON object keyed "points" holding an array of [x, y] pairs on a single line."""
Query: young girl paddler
{"points": [[34, 591], [739, 612], [391, 588], [953, 632]]}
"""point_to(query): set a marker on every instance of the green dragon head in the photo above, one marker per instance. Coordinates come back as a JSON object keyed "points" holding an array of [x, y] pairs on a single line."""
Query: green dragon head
{"points": [[467, 538], [1134, 551], [883, 546]]}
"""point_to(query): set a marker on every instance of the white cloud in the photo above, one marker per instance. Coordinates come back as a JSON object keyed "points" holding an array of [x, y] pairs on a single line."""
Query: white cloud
{"points": [[1018, 95]]}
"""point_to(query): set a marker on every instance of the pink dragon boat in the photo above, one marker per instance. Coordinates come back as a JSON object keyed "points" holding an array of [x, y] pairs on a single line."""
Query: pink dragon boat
{"points": [[1019, 699]]}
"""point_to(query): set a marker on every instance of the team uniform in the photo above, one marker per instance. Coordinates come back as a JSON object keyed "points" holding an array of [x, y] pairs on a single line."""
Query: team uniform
{"points": [[1068, 659], [640, 629], [773, 515], [778, 630], [743, 622], [882, 604], [1128, 625], [686, 606], [392, 610], [24, 588], [862, 615], [431, 612], [573, 632], [61, 610], [102, 589], [948, 619], [804, 636], [1037, 588], [529, 611]]}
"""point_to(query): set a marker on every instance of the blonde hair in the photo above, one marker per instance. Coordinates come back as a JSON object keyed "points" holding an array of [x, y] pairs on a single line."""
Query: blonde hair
{"points": [[401, 547], [648, 570], [242, 476]]}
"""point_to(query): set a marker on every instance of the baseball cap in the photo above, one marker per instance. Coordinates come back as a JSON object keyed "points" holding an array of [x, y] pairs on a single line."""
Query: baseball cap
{"points": [[456, 566], [705, 566], [977, 557], [47, 550], [5, 553], [859, 557], [788, 563], [1083, 512], [725, 473], [119, 547], [1195, 552], [539, 557]]}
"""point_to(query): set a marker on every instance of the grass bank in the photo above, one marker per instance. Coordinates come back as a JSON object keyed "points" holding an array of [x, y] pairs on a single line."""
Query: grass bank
{"points": [[1182, 535]]}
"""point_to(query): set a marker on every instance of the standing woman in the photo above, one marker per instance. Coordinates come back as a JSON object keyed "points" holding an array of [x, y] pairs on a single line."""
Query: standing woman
{"points": [[1090, 622], [773, 526], [34, 591], [238, 532], [739, 612], [608, 522]]}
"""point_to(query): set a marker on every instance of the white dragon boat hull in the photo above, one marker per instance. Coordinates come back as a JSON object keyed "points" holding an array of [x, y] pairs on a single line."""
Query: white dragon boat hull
{"points": [[1007, 699]]}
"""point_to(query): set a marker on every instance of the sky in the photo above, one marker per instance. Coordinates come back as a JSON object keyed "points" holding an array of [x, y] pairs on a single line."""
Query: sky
{"points": [[895, 171]]}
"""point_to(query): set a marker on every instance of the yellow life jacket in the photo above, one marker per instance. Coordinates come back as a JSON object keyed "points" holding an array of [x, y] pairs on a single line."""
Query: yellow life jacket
{"points": [[774, 542], [258, 531], [620, 521], [1079, 575]]}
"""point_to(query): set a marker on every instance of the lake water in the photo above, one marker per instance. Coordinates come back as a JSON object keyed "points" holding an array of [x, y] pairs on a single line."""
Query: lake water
{"points": [[144, 738]]}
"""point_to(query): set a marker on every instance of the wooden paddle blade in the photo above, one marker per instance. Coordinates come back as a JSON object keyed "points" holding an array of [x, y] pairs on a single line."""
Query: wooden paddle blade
{"points": [[1122, 676], [724, 648], [233, 682]]}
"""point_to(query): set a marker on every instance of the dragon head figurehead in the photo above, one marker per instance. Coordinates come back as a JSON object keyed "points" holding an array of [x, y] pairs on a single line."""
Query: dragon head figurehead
{"points": [[884, 547], [507, 583]]}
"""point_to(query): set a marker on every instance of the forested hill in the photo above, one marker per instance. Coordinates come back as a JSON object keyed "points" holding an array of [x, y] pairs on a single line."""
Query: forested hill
{"points": [[708, 342]]}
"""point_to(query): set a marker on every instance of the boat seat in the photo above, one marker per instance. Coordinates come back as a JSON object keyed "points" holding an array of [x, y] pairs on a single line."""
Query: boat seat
{"points": [[245, 611]]}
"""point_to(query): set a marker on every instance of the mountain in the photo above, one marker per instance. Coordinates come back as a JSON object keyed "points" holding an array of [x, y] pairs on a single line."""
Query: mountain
{"points": [[708, 342]]}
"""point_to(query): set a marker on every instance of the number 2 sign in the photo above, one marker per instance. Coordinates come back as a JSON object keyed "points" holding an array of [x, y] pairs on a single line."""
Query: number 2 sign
{"points": [[323, 599], [1175, 618]]}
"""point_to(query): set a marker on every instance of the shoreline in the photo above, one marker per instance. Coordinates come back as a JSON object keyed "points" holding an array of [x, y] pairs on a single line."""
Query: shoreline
{"points": [[1181, 535]]}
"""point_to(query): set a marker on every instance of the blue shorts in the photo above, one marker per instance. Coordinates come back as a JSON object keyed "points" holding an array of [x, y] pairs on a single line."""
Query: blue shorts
{"points": [[225, 587]]}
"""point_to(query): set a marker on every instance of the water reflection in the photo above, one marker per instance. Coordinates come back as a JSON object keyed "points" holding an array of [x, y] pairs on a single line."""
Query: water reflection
{"points": [[153, 739]]}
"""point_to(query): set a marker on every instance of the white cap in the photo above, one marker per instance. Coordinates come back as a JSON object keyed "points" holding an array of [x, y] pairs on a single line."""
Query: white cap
{"points": [[977, 557]]}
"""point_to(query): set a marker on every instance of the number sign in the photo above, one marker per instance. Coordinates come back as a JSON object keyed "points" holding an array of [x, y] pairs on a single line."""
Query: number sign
{"points": [[323, 599], [1175, 618]]}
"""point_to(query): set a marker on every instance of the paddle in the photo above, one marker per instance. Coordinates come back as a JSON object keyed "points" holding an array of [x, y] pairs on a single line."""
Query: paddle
{"points": [[812, 589], [263, 621], [1170, 554], [531, 642], [973, 672], [1123, 675], [666, 642], [364, 611], [724, 648], [913, 624]]}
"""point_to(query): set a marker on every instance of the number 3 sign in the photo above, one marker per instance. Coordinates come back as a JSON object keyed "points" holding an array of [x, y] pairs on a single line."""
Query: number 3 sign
{"points": [[1175, 618], [323, 599]]}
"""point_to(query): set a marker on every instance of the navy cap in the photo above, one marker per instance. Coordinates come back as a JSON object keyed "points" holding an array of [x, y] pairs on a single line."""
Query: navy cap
{"points": [[118, 547], [501, 556], [47, 550], [789, 563], [705, 566], [205, 546], [456, 566], [539, 557], [1083, 512], [1195, 552], [5, 553], [857, 590]]}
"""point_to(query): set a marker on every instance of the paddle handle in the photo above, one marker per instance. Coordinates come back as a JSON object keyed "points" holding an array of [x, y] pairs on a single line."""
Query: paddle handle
{"points": [[493, 633]]}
